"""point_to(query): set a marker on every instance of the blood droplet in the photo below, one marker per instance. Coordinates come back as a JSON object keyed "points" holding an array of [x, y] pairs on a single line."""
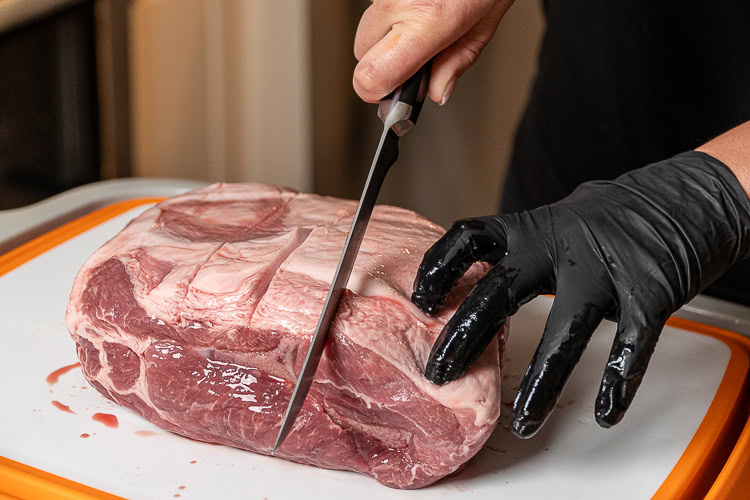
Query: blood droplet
{"points": [[84, 435], [62, 407], [53, 377], [106, 419]]}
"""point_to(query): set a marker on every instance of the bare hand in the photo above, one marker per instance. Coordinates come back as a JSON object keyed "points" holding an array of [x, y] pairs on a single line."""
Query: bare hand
{"points": [[396, 37]]}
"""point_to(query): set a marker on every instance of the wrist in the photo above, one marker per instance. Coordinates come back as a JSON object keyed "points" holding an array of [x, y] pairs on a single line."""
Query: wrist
{"points": [[732, 149], [701, 195], [724, 197]]}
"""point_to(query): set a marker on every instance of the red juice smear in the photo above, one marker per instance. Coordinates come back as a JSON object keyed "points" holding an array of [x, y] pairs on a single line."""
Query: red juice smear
{"points": [[106, 419], [62, 407], [145, 433], [53, 377]]}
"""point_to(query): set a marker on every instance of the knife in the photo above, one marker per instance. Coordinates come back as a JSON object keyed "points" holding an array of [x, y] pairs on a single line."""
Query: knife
{"points": [[399, 112]]}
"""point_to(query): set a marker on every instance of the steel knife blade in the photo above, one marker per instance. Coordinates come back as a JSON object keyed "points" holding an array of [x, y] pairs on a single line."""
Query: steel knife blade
{"points": [[399, 112]]}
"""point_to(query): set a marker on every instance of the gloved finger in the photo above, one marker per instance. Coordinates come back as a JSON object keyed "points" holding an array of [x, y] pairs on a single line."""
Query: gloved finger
{"points": [[466, 242], [631, 352], [478, 319], [452, 62], [569, 327]]}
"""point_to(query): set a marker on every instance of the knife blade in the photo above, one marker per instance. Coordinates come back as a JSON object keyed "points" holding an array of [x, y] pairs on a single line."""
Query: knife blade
{"points": [[399, 112]]}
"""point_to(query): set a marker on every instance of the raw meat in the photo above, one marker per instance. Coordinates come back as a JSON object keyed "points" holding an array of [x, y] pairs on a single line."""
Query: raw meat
{"points": [[197, 316]]}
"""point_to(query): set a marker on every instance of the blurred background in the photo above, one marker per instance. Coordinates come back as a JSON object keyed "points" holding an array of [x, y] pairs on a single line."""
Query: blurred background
{"points": [[240, 90]]}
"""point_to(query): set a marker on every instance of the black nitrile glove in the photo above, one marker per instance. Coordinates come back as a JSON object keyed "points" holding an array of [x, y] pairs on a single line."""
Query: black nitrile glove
{"points": [[632, 250]]}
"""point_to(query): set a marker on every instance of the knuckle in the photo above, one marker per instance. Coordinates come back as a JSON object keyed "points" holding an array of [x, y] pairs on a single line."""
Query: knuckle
{"points": [[433, 18], [470, 52], [432, 9], [424, 10], [467, 58]]}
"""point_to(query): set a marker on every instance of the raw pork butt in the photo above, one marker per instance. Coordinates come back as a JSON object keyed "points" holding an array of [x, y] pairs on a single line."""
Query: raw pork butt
{"points": [[198, 315]]}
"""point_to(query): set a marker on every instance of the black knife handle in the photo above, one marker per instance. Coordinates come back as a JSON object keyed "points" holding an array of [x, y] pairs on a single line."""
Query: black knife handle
{"points": [[413, 91]]}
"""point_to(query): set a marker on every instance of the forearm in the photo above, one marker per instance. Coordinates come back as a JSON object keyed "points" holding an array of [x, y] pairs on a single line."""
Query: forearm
{"points": [[733, 149]]}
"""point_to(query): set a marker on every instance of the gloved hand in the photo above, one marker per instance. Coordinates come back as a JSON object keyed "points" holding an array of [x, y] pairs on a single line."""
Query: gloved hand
{"points": [[632, 250]]}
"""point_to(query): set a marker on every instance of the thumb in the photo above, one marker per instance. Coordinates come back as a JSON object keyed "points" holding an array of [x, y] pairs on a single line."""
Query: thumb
{"points": [[392, 60]]}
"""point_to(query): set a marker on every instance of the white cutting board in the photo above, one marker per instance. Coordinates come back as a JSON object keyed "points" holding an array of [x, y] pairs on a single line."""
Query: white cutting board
{"points": [[571, 457]]}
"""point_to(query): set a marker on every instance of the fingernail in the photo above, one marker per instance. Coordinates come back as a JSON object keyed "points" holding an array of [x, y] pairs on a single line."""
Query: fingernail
{"points": [[448, 91]]}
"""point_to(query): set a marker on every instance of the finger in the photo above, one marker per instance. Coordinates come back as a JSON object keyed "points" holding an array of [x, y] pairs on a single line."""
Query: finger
{"points": [[391, 61], [375, 23], [634, 344], [570, 324], [452, 62], [466, 242], [478, 319]]}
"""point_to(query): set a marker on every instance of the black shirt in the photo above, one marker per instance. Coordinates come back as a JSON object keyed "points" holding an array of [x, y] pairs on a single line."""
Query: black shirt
{"points": [[622, 84]]}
